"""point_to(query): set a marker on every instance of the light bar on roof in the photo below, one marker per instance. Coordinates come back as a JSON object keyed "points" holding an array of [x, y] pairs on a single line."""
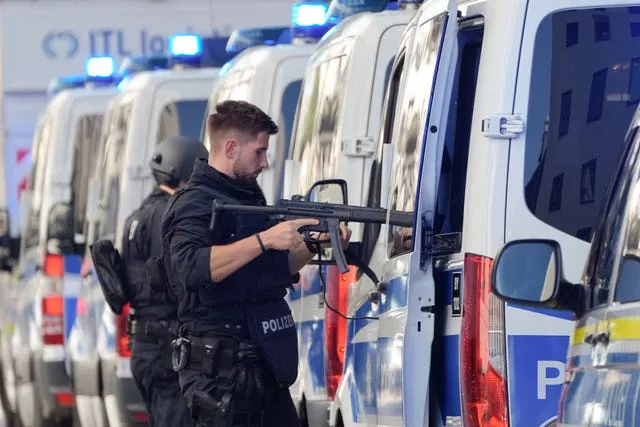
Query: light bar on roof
{"points": [[100, 67], [182, 45], [309, 14]]}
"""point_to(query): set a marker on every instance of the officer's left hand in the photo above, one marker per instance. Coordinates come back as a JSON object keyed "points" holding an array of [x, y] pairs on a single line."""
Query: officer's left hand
{"points": [[345, 236]]}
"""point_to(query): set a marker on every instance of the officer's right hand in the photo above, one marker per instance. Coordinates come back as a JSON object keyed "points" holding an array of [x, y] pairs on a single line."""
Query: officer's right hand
{"points": [[285, 235]]}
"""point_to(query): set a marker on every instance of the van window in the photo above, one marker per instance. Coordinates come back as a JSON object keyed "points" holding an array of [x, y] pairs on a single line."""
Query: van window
{"points": [[453, 170], [317, 127], [181, 118], [610, 228], [87, 144], [287, 116], [628, 281], [584, 91], [36, 179], [371, 231], [415, 101], [111, 168]]}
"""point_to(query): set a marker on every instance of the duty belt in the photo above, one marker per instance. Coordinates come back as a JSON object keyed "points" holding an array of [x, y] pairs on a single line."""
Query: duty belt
{"points": [[153, 330]]}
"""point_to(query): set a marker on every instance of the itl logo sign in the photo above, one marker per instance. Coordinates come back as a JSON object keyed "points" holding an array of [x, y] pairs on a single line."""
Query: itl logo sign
{"points": [[550, 373]]}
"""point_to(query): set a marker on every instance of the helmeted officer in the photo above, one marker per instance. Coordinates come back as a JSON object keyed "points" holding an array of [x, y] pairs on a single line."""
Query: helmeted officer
{"points": [[153, 323], [237, 351]]}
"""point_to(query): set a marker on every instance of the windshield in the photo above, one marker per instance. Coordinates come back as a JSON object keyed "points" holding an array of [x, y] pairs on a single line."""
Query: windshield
{"points": [[110, 165]]}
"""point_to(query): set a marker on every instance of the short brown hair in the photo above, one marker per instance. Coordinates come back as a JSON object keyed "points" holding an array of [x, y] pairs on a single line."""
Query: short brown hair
{"points": [[239, 116]]}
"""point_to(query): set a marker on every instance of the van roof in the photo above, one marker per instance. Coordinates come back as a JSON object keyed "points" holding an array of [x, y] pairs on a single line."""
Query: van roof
{"points": [[69, 96], [363, 25], [258, 56], [153, 78]]}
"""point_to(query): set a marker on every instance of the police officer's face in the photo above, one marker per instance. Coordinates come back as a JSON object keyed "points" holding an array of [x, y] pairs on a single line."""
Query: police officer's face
{"points": [[250, 158]]}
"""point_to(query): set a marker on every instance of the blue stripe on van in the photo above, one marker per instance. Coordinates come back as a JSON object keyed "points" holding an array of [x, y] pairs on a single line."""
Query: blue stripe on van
{"points": [[72, 265]]}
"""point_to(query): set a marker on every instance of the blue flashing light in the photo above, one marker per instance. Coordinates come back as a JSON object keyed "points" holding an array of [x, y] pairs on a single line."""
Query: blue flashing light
{"points": [[185, 45], [100, 67], [244, 38], [224, 70], [59, 84], [341, 9], [309, 14]]}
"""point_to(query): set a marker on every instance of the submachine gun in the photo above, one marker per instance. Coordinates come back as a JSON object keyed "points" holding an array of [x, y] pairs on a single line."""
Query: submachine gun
{"points": [[330, 215]]}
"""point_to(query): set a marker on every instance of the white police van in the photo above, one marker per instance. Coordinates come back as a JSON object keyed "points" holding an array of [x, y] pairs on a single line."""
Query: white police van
{"points": [[492, 131], [91, 344], [52, 243], [150, 106], [243, 79], [338, 118]]}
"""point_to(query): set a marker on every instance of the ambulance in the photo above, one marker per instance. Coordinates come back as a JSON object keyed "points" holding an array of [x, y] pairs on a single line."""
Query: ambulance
{"points": [[53, 240], [149, 107], [493, 130], [337, 120]]}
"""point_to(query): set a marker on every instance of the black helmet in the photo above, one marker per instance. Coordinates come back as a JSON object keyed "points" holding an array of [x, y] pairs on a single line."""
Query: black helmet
{"points": [[174, 157]]}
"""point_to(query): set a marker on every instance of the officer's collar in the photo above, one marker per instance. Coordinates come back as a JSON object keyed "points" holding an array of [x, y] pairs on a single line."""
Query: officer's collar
{"points": [[204, 174]]}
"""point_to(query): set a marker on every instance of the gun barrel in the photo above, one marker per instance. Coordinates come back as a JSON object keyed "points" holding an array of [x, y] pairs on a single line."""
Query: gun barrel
{"points": [[324, 210]]}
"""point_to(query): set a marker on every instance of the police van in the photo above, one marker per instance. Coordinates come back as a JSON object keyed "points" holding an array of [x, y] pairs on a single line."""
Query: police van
{"points": [[150, 106], [243, 79], [338, 117], [91, 344], [492, 131], [52, 243], [601, 382]]}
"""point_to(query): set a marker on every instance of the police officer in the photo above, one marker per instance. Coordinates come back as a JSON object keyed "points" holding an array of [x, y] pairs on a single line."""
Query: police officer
{"points": [[153, 323], [237, 351]]}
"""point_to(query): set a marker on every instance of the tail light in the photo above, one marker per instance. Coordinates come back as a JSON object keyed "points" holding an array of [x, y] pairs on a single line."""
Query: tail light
{"points": [[140, 417], [335, 332], [122, 338], [52, 303], [52, 323], [65, 399], [484, 387], [53, 265]]}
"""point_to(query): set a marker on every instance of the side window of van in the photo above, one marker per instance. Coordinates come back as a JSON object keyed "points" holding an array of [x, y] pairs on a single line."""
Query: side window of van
{"points": [[371, 231], [287, 116], [627, 287], [36, 179], [115, 139], [87, 144], [453, 171], [406, 161], [585, 87], [181, 118], [317, 125]]}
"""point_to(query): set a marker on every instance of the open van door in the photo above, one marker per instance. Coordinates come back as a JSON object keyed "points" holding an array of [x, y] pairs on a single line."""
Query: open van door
{"points": [[407, 287]]}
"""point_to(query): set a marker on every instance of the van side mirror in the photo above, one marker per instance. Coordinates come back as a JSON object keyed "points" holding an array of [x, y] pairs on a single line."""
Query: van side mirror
{"points": [[328, 191], [9, 246], [528, 272]]}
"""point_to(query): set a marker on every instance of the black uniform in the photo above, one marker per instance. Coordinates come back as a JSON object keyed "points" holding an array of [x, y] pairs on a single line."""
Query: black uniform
{"points": [[154, 322], [238, 348]]}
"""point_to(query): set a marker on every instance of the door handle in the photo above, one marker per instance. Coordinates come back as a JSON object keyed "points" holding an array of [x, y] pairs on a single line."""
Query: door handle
{"points": [[381, 289], [382, 286], [599, 338]]}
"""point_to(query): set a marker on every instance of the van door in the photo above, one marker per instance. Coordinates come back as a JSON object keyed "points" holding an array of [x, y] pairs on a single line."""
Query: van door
{"points": [[406, 320], [576, 91]]}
